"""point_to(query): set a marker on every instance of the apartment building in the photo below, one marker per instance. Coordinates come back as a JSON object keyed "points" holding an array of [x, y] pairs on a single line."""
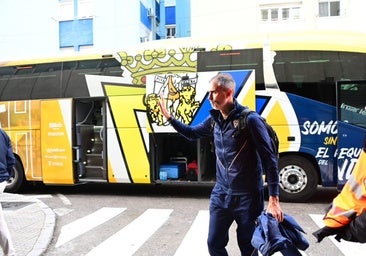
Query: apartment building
{"points": [[237, 16]]}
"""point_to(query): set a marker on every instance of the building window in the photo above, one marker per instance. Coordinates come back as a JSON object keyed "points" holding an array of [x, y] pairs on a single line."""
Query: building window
{"points": [[85, 9], [75, 23], [274, 14], [329, 8], [264, 14], [295, 13], [66, 9], [281, 13], [285, 13], [170, 31], [76, 33], [70, 9]]}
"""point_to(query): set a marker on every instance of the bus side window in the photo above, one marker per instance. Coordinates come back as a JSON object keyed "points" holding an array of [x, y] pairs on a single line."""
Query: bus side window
{"points": [[48, 83], [352, 103], [20, 85], [76, 84], [110, 67], [5, 74]]}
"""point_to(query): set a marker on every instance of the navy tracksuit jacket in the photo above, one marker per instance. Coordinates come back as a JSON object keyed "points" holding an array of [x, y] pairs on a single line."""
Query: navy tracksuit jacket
{"points": [[7, 159], [238, 193]]}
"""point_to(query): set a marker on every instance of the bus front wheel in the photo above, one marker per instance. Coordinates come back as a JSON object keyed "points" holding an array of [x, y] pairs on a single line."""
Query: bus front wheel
{"points": [[17, 179], [298, 178]]}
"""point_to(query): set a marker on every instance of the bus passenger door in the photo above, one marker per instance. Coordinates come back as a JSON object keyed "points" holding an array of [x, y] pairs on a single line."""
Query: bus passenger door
{"points": [[351, 115], [56, 141], [89, 141]]}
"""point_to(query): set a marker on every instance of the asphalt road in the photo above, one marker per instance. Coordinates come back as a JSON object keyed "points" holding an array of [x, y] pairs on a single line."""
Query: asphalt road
{"points": [[153, 220]]}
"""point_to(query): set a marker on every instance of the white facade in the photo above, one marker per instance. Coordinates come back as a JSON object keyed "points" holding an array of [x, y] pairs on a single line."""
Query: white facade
{"points": [[116, 24], [20, 32], [30, 28], [238, 16]]}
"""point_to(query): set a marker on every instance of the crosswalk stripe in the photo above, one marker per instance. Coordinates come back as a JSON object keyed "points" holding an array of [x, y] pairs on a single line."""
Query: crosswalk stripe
{"points": [[80, 226], [195, 241], [131, 237], [62, 211], [347, 248], [280, 254], [64, 199], [39, 196]]}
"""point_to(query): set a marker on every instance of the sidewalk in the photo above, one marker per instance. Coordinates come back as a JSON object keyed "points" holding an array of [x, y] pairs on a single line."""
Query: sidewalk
{"points": [[30, 221]]}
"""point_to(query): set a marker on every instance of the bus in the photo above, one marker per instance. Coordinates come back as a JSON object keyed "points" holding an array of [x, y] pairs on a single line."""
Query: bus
{"points": [[95, 119]]}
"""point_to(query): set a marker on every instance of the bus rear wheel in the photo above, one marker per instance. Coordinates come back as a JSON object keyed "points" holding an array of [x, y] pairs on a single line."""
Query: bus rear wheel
{"points": [[298, 178], [17, 179]]}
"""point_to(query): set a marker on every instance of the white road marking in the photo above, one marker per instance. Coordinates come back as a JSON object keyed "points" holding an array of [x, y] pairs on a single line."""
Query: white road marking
{"points": [[347, 248], [64, 199], [280, 254], [195, 241], [80, 226], [39, 196], [131, 237], [62, 211]]}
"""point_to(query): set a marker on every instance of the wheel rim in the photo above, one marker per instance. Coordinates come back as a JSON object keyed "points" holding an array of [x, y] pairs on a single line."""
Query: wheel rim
{"points": [[13, 178], [293, 179]]}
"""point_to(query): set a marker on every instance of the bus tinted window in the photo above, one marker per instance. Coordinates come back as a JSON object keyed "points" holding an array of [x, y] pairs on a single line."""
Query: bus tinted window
{"points": [[69, 65], [111, 67], [53, 80], [48, 83], [76, 83], [5, 74], [31, 82], [100, 67], [313, 74], [352, 103], [233, 60], [19, 85]]}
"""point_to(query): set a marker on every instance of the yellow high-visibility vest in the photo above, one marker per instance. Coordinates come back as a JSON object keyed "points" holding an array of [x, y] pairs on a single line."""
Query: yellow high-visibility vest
{"points": [[351, 201]]}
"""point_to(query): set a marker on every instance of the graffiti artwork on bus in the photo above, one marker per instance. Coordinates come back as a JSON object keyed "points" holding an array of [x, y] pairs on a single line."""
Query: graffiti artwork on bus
{"points": [[179, 93]]}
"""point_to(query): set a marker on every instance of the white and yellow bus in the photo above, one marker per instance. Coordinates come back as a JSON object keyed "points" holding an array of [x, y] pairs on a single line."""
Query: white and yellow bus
{"points": [[95, 119]]}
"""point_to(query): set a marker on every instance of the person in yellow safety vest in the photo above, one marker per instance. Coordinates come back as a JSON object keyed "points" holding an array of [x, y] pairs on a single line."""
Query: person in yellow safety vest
{"points": [[346, 217]]}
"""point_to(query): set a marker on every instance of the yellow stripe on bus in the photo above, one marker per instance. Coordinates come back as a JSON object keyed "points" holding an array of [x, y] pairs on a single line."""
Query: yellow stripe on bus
{"points": [[130, 130]]}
